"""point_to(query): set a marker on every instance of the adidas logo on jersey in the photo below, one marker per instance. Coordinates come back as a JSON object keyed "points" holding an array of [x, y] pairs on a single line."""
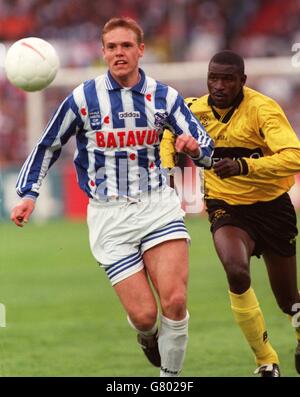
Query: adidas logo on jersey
{"points": [[124, 115]]}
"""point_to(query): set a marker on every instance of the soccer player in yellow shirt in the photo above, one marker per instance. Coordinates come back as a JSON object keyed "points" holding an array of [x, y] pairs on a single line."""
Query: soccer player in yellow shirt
{"points": [[256, 156]]}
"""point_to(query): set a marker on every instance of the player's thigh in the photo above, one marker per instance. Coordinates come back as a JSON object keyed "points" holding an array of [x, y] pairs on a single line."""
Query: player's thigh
{"points": [[234, 246], [167, 265], [136, 295]]}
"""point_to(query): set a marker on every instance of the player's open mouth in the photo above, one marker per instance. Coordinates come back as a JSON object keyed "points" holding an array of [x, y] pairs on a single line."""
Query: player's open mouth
{"points": [[118, 63]]}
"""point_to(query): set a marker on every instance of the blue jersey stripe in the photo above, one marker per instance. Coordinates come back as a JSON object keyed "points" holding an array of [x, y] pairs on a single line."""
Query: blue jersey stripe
{"points": [[34, 162], [139, 105], [55, 156], [69, 132], [101, 176], [92, 102], [74, 108], [172, 119], [82, 163], [160, 97], [191, 121], [116, 107]]}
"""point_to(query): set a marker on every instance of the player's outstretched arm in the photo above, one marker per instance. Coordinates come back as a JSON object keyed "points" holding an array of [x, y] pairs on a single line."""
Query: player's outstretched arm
{"points": [[20, 214]]}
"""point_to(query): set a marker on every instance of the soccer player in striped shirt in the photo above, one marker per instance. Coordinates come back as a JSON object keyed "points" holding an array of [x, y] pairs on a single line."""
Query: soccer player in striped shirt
{"points": [[256, 156], [135, 220]]}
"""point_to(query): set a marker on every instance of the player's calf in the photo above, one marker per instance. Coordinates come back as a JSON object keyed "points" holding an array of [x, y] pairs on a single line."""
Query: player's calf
{"points": [[149, 345]]}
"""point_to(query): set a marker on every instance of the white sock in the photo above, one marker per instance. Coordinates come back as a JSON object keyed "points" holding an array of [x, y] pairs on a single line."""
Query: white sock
{"points": [[150, 332], [172, 343]]}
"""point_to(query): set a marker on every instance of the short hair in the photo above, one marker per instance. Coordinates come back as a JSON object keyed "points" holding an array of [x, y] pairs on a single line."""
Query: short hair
{"points": [[228, 57], [124, 22]]}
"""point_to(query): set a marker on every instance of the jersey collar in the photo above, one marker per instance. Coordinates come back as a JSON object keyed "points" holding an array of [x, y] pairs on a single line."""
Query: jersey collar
{"points": [[140, 87]]}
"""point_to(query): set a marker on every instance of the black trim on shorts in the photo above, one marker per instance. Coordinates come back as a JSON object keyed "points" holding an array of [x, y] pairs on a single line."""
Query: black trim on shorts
{"points": [[272, 225]]}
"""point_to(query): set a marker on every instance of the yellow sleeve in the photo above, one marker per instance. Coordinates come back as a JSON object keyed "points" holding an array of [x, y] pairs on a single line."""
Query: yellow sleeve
{"points": [[167, 150], [279, 165], [282, 142]]}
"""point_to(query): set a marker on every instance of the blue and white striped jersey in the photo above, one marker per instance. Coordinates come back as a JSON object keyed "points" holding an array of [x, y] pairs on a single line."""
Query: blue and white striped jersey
{"points": [[117, 133]]}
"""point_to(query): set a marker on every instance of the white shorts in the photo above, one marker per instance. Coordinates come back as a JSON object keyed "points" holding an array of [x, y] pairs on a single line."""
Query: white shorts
{"points": [[121, 231]]}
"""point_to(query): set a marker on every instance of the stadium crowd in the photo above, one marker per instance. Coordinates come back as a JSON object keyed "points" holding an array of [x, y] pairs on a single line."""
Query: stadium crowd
{"points": [[175, 30]]}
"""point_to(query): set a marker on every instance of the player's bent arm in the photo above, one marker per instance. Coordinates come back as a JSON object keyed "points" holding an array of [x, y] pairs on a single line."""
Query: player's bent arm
{"points": [[279, 165], [188, 145], [63, 125], [201, 156], [21, 213], [185, 124], [227, 167], [281, 140]]}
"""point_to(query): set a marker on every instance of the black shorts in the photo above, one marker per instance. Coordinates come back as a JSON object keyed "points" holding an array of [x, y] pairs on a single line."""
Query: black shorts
{"points": [[272, 225]]}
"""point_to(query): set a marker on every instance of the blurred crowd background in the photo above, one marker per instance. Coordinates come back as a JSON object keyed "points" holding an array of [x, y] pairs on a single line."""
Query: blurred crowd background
{"points": [[175, 30]]}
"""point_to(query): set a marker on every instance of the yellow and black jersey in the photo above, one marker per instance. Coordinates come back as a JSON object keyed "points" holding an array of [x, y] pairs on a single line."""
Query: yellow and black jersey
{"points": [[257, 132]]}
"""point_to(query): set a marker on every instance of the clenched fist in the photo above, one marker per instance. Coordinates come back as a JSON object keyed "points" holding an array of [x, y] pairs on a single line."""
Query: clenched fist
{"points": [[188, 145], [20, 214], [227, 167]]}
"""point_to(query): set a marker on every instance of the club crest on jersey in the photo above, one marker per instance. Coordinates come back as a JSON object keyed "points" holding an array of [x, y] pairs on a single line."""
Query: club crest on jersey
{"points": [[160, 119], [95, 119], [204, 119]]}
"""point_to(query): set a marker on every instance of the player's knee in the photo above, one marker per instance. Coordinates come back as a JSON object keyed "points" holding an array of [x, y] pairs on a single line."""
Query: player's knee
{"points": [[238, 278], [144, 319], [174, 305]]}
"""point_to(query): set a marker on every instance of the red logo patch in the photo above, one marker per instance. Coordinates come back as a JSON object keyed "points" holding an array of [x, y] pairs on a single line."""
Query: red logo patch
{"points": [[149, 97], [92, 183], [106, 120], [151, 165], [83, 111], [132, 156]]}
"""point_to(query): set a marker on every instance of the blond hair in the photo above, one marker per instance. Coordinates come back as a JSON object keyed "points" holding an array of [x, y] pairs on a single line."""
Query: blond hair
{"points": [[124, 22]]}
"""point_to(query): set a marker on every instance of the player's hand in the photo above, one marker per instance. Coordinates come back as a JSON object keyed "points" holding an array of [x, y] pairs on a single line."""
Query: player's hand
{"points": [[188, 145], [20, 214], [226, 167]]}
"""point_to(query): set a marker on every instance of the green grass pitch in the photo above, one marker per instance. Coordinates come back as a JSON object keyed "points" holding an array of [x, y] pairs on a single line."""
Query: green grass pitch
{"points": [[63, 318]]}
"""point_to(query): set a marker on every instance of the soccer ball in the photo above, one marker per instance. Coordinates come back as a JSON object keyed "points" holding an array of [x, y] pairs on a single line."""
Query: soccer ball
{"points": [[31, 64]]}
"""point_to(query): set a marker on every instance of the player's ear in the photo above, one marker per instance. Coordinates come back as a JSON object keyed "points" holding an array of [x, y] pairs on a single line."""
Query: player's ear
{"points": [[244, 79], [142, 49]]}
